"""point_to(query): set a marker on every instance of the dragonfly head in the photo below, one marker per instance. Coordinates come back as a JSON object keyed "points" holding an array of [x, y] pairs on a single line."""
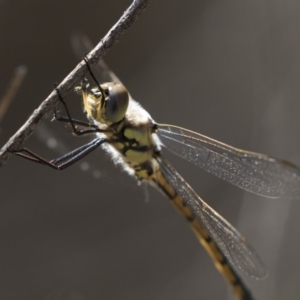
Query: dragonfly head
{"points": [[116, 99], [107, 106]]}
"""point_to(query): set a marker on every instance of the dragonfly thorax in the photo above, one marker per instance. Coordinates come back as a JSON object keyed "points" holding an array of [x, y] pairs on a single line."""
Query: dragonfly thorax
{"points": [[133, 146]]}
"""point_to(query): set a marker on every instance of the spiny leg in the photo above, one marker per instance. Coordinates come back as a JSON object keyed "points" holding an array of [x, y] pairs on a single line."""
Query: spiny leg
{"points": [[75, 121], [91, 127], [93, 76], [67, 119], [75, 155], [64, 161]]}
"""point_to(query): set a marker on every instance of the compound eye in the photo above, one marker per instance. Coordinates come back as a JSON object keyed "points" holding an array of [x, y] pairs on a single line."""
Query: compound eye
{"points": [[117, 103]]}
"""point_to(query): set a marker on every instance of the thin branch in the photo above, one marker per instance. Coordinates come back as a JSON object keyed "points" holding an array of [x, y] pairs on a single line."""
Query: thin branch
{"points": [[15, 83], [66, 86]]}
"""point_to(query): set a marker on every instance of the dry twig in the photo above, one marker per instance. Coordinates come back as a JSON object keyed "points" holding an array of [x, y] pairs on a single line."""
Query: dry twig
{"points": [[66, 86], [16, 81]]}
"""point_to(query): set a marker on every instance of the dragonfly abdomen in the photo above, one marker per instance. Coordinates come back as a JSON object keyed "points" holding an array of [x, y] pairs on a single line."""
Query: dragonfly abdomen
{"points": [[221, 262]]}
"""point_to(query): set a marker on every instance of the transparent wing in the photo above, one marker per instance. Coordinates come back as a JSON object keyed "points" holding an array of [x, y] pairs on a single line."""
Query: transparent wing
{"points": [[82, 45], [232, 244], [253, 172]]}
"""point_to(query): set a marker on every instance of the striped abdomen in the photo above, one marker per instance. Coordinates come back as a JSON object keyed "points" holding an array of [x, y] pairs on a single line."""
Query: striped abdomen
{"points": [[221, 262]]}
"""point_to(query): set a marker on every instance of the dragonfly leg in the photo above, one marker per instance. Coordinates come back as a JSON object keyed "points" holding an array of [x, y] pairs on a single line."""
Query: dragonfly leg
{"points": [[91, 128], [75, 121], [64, 161], [92, 75]]}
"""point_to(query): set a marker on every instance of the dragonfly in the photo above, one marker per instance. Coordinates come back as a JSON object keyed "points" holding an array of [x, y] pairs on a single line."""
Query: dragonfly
{"points": [[127, 132]]}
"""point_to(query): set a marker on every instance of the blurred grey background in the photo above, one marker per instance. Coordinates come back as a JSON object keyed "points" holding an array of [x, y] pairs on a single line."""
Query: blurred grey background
{"points": [[226, 69]]}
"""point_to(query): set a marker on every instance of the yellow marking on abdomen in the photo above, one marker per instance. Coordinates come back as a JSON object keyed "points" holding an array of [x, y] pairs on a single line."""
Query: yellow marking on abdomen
{"points": [[220, 261]]}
